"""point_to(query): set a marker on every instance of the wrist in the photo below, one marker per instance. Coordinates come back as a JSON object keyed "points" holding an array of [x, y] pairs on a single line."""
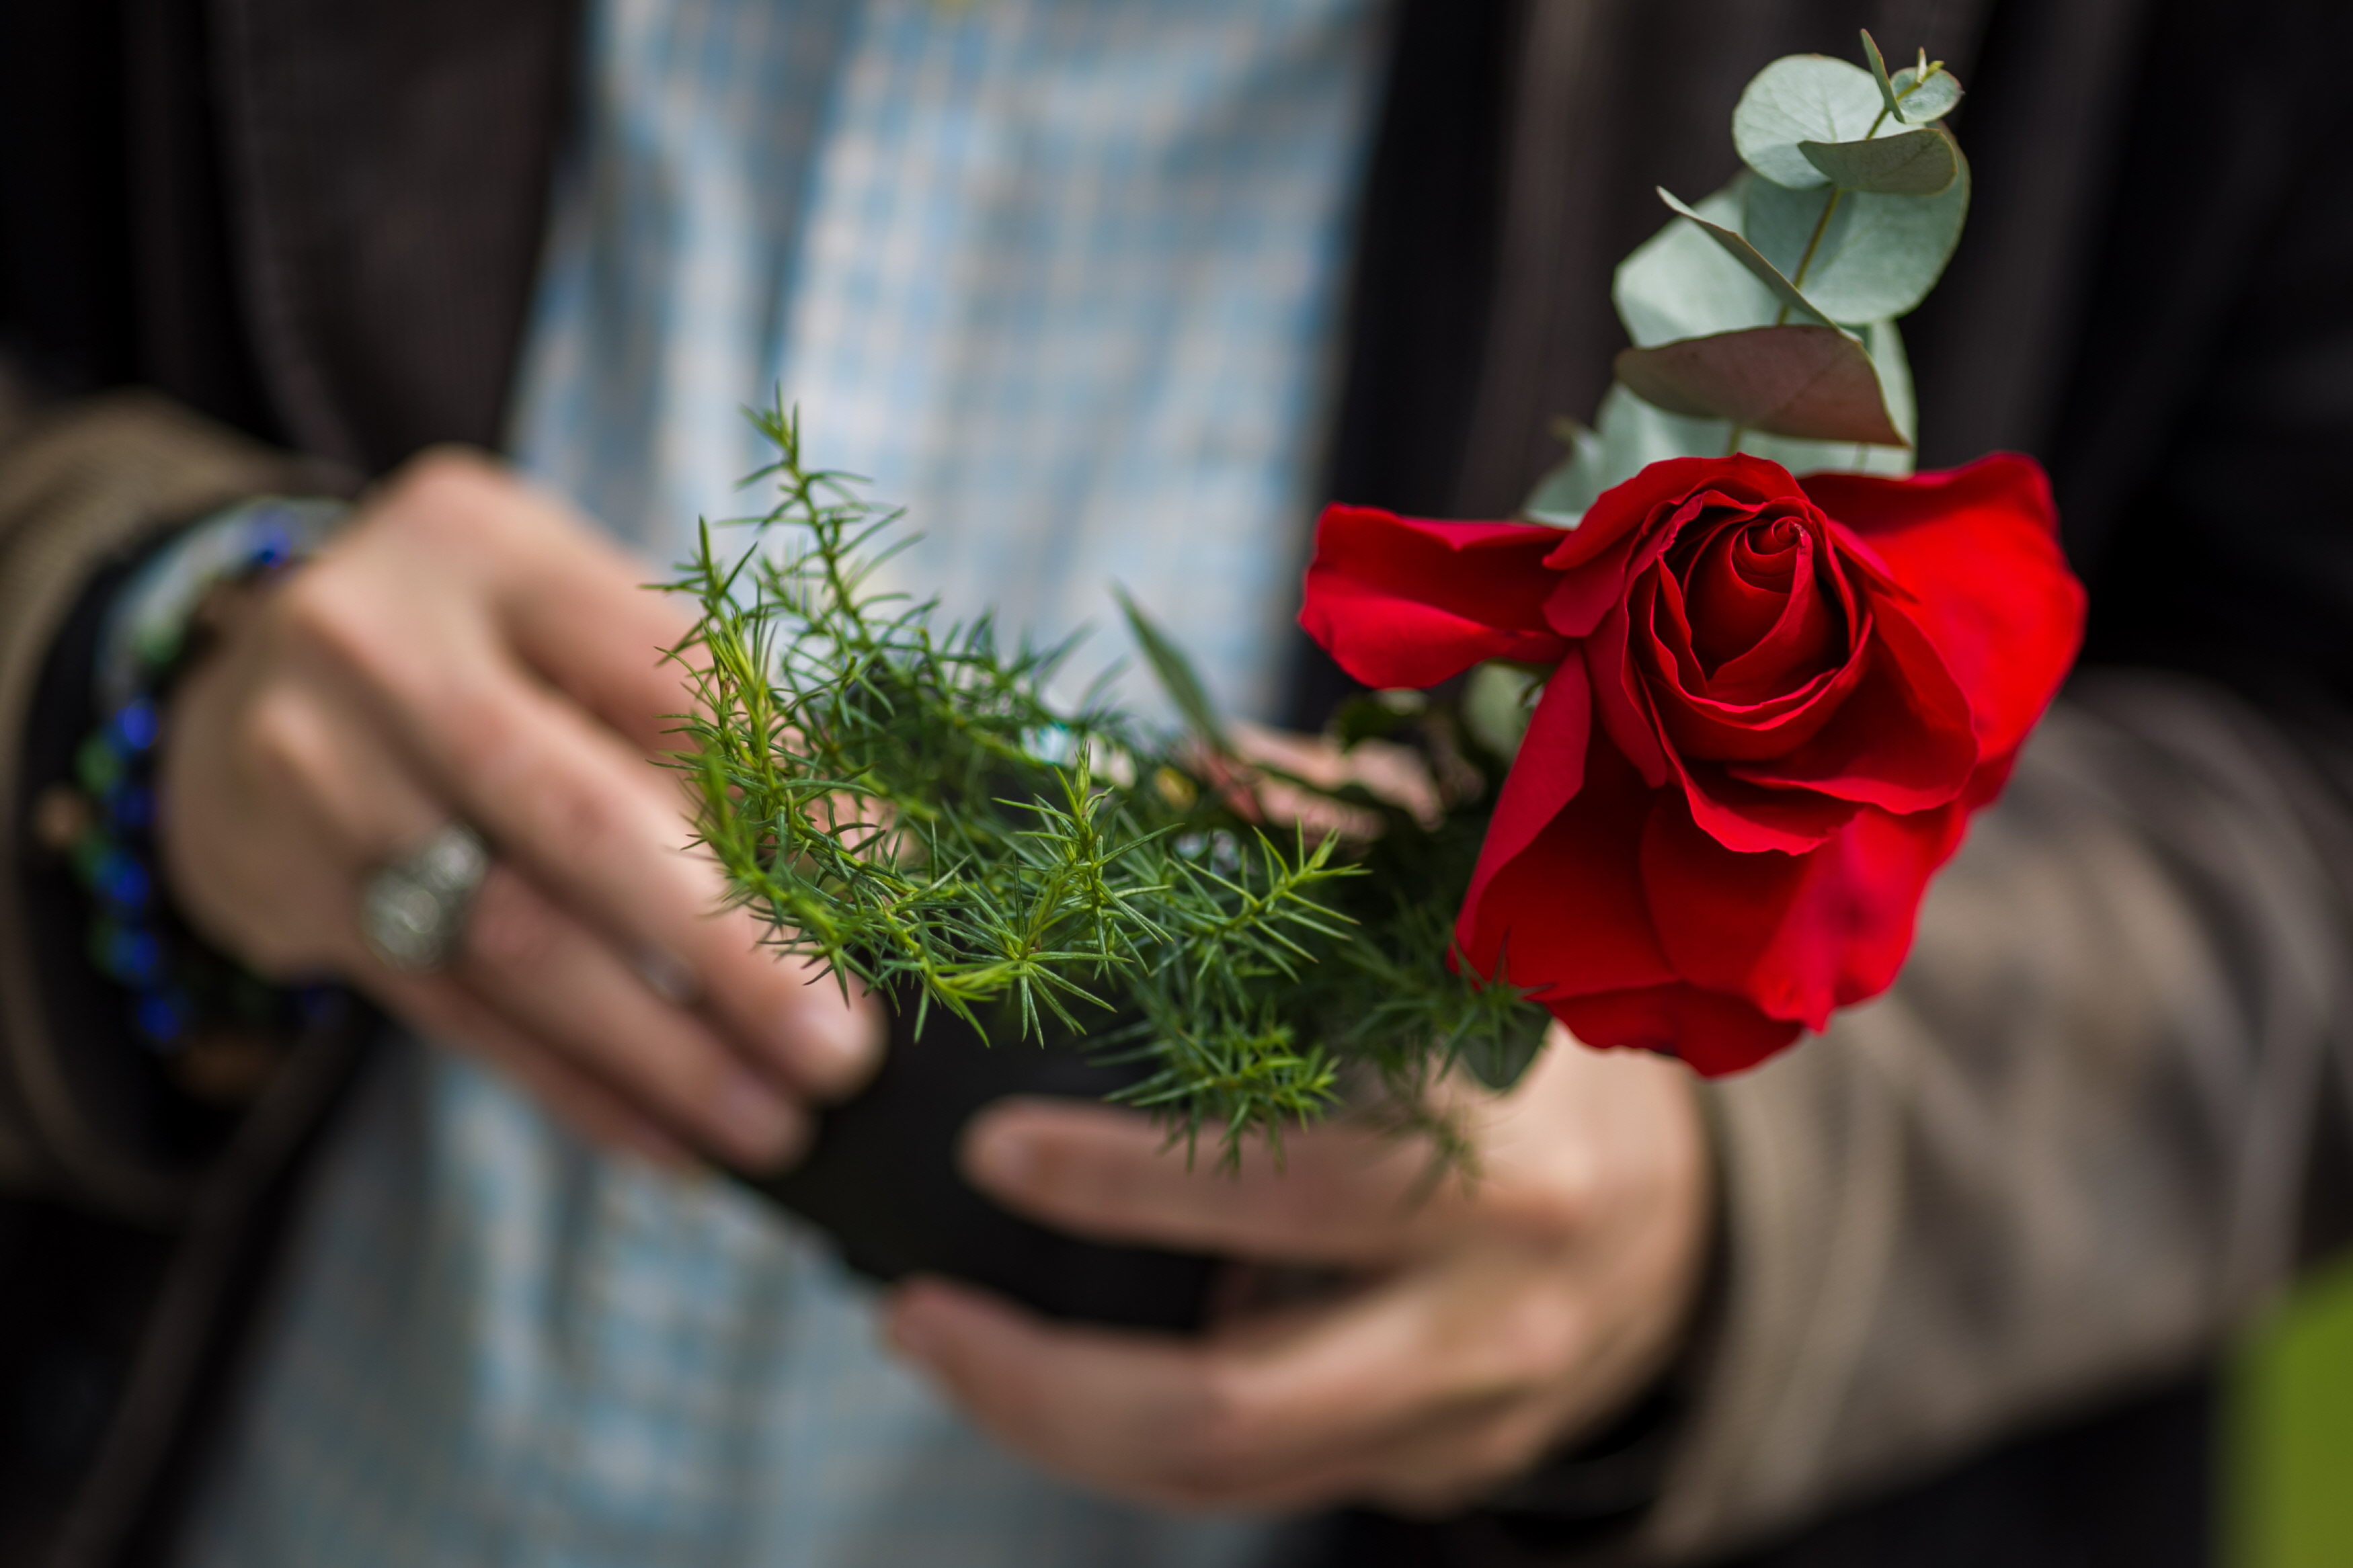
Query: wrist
{"points": [[213, 1024]]}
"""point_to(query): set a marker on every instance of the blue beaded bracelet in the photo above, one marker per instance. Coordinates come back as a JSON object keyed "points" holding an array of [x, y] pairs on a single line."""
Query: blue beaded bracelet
{"points": [[177, 988]]}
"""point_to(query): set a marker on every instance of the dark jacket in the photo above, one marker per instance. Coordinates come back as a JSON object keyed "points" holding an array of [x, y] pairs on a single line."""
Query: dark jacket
{"points": [[306, 230]]}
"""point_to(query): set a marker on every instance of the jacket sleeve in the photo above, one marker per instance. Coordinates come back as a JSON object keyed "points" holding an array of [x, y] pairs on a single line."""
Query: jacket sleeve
{"points": [[2070, 1149], [84, 487]]}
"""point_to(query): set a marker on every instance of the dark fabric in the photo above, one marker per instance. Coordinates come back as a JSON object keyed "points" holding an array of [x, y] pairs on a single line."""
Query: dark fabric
{"points": [[2198, 463], [115, 263], [314, 220], [2131, 1487], [194, 340], [82, 1289], [389, 168], [64, 244]]}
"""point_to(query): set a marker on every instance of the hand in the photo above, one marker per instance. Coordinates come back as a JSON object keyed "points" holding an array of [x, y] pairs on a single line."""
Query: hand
{"points": [[1489, 1323], [467, 648], [1390, 771]]}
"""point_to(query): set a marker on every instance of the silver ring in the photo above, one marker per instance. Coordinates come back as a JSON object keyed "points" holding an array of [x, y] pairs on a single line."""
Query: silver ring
{"points": [[413, 911]]}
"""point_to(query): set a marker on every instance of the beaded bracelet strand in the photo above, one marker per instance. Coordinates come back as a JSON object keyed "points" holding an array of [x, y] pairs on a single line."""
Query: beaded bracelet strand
{"points": [[217, 1024]]}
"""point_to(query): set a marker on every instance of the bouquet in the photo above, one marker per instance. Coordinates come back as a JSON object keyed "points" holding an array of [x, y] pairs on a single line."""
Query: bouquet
{"points": [[1702, 722]]}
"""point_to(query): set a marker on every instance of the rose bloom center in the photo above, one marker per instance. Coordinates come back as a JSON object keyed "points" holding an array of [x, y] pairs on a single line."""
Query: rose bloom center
{"points": [[1755, 593]]}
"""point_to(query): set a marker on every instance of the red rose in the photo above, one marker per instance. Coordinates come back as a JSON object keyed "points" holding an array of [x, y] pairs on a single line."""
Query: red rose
{"points": [[1776, 702]]}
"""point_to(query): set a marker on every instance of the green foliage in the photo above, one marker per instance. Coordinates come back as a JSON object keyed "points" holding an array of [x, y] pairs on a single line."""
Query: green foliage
{"points": [[1755, 262], [1800, 99], [1176, 674], [1863, 257], [897, 798], [1499, 700], [1763, 316], [2289, 1430], [1804, 381], [1915, 163], [1925, 93]]}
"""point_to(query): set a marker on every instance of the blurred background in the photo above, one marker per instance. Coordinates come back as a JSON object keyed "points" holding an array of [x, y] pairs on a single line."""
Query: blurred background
{"points": [[2290, 1449]]}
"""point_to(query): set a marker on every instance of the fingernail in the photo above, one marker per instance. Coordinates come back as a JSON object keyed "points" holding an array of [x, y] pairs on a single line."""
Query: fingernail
{"points": [[835, 1044], [760, 1127]]}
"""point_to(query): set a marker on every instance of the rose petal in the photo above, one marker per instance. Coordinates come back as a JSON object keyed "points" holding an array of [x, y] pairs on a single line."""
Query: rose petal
{"points": [[1703, 727], [1566, 915], [1977, 547], [1591, 586], [1753, 595], [1817, 630], [1797, 935], [1713, 1033], [1545, 774], [1749, 819], [1402, 602], [1739, 480], [1902, 741], [1621, 701], [1582, 595]]}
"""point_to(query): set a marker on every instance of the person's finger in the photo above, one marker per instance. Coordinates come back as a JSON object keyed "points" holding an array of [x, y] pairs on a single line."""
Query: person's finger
{"points": [[574, 607], [337, 768], [334, 799], [321, 761], [579, 810], [556, 980], [1339, 1195], [1394, 772], [1288, 1412], [447, 1014], [595, 628]]}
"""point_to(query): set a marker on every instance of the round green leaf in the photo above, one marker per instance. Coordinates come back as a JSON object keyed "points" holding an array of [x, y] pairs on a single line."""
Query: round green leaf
{"points": [[1912, 163], [1680, 283], [1735, 245], [1802, 97], [1877, 256], [1812, 383], [1920, 102], [1570, 486], [1498, 700]]}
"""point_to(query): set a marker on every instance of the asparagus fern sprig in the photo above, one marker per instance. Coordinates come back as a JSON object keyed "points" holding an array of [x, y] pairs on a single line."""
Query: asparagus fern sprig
{"points": [[895, 796]]}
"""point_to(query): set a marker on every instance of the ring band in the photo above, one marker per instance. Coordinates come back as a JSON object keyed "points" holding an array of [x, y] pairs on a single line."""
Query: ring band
{"points": [[413, 911]]}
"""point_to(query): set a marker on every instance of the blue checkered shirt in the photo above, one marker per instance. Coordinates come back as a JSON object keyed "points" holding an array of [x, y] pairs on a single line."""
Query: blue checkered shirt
{"points": [[1062, 277]]}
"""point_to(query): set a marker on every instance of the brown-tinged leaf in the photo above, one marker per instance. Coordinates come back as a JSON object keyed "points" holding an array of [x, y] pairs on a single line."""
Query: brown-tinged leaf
{"points": [[1912, 163], [1811, 382]]}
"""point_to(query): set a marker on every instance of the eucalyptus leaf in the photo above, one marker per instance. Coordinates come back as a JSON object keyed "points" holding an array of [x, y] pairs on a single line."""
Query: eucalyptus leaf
{"points": [[1879, 74], [1561, 497], [1178, 678], [1914, 163], [1887, 344], [1924, 97], [1635, 434], [1803, 98], [1830, 457], [1885, 341], [1759, 268], [1876, 258], [1498, 700], [1679, 283], [1810, 382]]}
